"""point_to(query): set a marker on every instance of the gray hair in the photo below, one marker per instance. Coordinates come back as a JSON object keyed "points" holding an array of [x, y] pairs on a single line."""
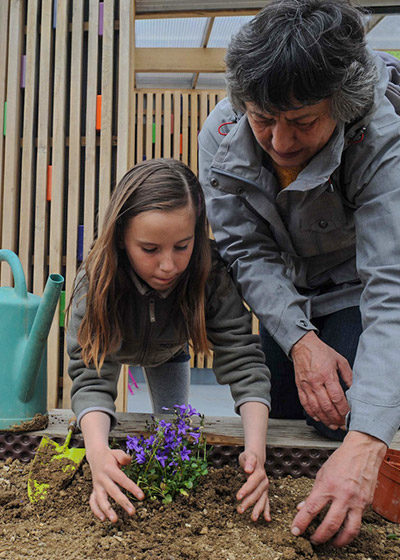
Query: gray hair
{"points": [[299, 52]]}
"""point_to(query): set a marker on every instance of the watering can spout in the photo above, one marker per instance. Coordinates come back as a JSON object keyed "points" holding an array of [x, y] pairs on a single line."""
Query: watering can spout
{"points": [[36, 343]]}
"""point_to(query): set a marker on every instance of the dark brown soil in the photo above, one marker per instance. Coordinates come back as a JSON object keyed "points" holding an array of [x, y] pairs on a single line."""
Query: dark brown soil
{"points": [[38, 422], [204, 526]]}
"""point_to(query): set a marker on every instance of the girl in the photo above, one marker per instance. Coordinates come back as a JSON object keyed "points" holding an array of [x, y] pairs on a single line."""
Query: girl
{"points": [[151, 283]]}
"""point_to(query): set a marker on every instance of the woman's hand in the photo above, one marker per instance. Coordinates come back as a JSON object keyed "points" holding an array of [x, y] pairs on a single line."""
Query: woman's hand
{"points": [[255, 490], [105, 464]]}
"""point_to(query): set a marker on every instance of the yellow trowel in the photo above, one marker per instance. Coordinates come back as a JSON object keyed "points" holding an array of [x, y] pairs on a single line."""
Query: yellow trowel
{"points": [[54, 465]]}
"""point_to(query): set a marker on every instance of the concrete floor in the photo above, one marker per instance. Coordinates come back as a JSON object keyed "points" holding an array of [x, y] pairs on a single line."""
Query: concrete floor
{"points": [[206, 396]]}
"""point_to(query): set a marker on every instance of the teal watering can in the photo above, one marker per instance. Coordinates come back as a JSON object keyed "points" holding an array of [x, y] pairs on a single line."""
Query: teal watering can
{"points": [[25, 321]]}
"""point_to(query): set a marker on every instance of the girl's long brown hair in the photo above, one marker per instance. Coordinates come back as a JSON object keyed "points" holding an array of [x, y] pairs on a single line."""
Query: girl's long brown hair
{"points": [[159, 184]]}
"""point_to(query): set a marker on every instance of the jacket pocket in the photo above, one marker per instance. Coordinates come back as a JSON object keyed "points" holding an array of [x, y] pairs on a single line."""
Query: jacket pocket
{"points": [[324, 226]]}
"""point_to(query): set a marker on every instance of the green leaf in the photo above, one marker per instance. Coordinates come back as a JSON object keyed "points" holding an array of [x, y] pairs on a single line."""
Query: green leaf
{"points": [[167, 499], [183, 491]]}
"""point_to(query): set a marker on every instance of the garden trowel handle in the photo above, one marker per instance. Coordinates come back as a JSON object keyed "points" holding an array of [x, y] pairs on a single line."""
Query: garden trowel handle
{"points": [[71, 430]]}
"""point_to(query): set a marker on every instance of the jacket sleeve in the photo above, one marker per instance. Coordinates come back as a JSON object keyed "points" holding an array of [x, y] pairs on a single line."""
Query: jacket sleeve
{"points": [[90, 391], [374, 189], [238, 358], [250, 250]]}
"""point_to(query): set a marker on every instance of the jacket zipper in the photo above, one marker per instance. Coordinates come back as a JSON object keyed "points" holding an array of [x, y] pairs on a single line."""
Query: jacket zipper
{"points": [[148, 329]]}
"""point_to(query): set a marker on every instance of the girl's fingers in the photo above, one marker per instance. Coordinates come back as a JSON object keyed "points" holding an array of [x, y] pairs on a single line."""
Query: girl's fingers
{"points": [[254, 496], [99, 502], [120, 478]]}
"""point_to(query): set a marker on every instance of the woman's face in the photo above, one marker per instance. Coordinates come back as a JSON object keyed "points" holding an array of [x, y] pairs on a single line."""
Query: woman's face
{"points": [[159, 245], [292, 138]]}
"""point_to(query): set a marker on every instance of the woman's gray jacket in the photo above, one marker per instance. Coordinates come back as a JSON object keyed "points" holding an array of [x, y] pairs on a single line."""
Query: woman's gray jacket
{"points": [[153, 336], [328, 241]]}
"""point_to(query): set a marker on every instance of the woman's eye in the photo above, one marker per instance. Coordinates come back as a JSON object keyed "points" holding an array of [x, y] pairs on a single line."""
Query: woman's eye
{"points": [[181, 247], [306, 124]]}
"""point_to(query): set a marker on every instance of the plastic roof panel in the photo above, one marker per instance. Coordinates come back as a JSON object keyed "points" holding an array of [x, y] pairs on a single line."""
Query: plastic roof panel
{"points": [[174, 32], [224, 28], [386, 34]]}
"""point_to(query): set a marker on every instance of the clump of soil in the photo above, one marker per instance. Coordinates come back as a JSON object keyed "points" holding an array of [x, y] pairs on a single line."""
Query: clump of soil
{"points": [[203, 526], [38, 422]]}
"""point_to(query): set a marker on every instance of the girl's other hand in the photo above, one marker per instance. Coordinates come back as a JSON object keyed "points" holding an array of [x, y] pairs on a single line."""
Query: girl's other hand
{"points": [[105, 464], [255, 490]]}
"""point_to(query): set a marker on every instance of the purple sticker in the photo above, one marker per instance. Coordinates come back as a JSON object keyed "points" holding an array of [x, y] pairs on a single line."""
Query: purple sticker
{"points": [[101, 17]]}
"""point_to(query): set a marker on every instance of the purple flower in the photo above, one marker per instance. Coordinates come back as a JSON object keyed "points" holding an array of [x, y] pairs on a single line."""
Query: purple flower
{"points": [[195, 435], [161, 459], [140, 457], [133, 444], [182, 427], [164, 424], [185, 454]]}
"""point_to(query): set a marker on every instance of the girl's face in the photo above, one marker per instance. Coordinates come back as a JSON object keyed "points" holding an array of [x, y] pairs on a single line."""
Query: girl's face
{"points": [[159, 244]]}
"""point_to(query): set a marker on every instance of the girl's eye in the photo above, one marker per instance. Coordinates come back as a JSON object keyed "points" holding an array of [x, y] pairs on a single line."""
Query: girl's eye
{"points": [[153, 250], [181, 247]]}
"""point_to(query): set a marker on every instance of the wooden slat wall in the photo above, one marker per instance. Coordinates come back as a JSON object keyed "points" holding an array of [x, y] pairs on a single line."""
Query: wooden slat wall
{"points": [[51, 121]]}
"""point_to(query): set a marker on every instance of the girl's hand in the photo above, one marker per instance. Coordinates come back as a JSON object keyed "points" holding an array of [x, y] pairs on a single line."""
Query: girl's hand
{"points": [[105, 464], [255, 490]]}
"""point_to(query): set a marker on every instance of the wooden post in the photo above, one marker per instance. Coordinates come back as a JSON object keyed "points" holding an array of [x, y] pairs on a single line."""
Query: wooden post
{"points": [[43, 146], [12, 140], [28, 146], [90, 127], [106, 111], [57, 192], [4, 17], [74, 176]]}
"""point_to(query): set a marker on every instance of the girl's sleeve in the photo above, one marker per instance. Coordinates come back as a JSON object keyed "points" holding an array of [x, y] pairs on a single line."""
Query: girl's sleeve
{"points": [[90, 391], [238, 358]]}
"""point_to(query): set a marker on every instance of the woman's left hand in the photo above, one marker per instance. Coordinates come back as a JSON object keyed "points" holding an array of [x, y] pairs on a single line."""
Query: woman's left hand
{"points": [[255, 490]]}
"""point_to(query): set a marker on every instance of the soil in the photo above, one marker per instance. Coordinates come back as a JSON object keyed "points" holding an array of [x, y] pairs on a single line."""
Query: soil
{"points": [[203, 526], [38, 422]]}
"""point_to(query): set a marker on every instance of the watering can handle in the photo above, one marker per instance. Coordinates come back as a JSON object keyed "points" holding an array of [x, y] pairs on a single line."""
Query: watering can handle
{"points": [[16, 268]]}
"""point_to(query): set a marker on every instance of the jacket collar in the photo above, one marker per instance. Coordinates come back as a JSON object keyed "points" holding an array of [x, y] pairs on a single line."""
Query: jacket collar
{"points": [[144, 289]]}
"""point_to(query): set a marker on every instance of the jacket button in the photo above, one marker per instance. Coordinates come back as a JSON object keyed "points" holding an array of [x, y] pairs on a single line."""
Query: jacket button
{"points": [[323, 224], [214, 182]]}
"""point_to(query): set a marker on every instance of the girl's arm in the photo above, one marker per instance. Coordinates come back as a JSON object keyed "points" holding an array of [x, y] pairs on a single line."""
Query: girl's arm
{"points": [[105, 464], [252, 460]]}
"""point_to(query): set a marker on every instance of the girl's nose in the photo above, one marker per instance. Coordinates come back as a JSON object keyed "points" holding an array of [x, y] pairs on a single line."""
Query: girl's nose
{"points": [[167, 263]]}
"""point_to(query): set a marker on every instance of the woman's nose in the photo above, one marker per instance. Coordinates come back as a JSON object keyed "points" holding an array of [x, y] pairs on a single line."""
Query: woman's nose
{"points": [[282, 138]]}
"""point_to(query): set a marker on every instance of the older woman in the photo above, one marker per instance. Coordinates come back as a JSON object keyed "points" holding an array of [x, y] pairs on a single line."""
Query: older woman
{"points": [[301, 172]]}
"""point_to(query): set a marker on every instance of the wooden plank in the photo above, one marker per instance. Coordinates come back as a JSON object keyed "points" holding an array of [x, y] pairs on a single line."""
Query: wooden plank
{"points": [[149, 126], [58, 186], [140, 129], [4, 13], [185, 128], [177, 125], [194, 131], [106, 111], [43, 143], [167, 129], [74, 179], [203, 108], [158, 120], [166, 59], [122, 395], [126, 74], [90, 128], [219, 430], [28, 145], [12, 140]]}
